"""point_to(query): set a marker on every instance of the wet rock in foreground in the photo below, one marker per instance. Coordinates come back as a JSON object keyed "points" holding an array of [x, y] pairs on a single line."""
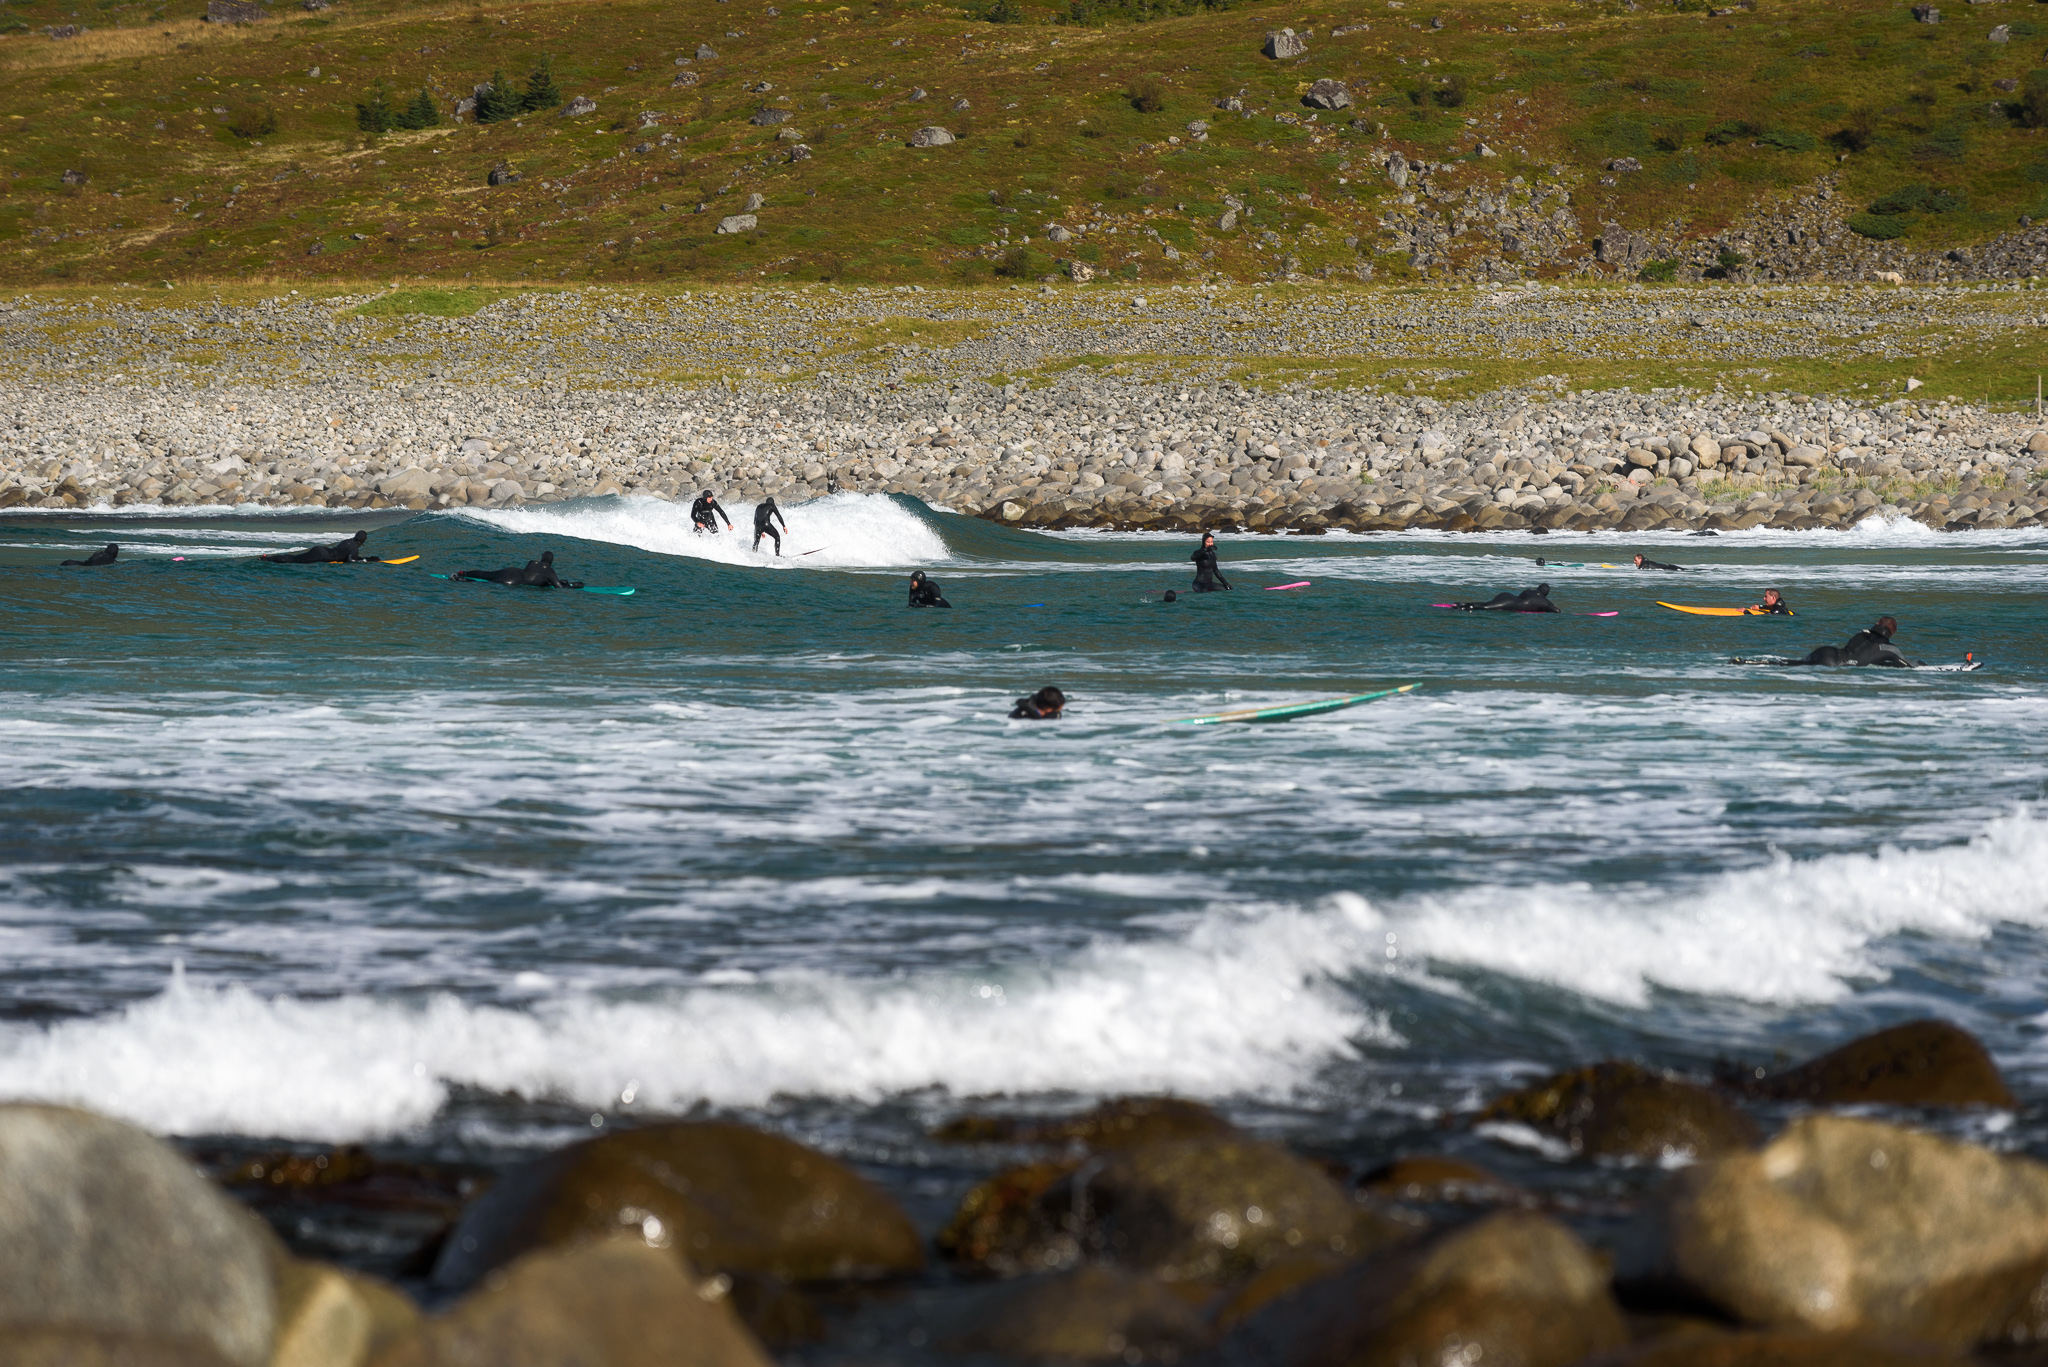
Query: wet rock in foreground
{"points": [[1623, 1110]]}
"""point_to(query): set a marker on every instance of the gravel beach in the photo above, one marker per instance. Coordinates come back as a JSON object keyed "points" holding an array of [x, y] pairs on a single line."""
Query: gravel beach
{"points": [[1295, 410]]}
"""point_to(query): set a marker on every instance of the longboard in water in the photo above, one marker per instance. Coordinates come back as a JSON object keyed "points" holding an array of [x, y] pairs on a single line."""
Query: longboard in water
{"points": [[366, 560], [1719, 612], [1577, 565], [1289, 711], [1275, 588], [621, 591], [1969, 664], [1615, 612]]}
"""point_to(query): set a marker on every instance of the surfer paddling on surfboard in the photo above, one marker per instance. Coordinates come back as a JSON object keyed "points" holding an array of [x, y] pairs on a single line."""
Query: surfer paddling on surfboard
{"points": [[99, 557], [1643, 562], [1208, 579], [538, 574], [1528, 600], [1870, 646], [1774, 605], [348, 552], [1044, 705], [924, 593]]}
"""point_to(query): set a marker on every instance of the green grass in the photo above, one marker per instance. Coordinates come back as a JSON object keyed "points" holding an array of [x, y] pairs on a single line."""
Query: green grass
{"points": [[1719, 111], [436, 303]]}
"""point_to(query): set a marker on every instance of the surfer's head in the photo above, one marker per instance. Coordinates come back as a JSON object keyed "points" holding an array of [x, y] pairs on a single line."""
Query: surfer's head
{"points": [[1543, 590], [1773, 597], [1885, 627], [1208, 538], [360, 537], [917, 576], [1639, 559], [1049, 700], [547, 557]]}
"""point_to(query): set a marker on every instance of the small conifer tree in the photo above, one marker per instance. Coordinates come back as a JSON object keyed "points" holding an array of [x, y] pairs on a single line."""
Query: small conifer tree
{"points": [[374, 115], [421, 113], [541, 90], [497, 102]]}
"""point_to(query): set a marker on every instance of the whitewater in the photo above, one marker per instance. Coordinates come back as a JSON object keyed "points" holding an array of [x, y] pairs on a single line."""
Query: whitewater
{"points": [[357, 854]]}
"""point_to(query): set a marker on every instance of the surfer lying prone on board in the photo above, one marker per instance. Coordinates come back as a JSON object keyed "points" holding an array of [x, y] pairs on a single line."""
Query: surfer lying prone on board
{"points": [[100, 557], [347, 552], [1870, 646], [1044, 705], [1774, 604], [924, 593], [538, 574], [1643, 562], [1528, 600], [1208, 579]]}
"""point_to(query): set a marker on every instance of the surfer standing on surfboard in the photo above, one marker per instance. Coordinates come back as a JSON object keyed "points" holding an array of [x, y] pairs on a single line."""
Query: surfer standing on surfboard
{"points": [[705, 512], [1208, 579]]}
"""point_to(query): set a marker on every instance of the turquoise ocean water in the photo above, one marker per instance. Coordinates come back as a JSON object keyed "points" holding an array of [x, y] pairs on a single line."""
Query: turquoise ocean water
{"points": [[326, 854]]}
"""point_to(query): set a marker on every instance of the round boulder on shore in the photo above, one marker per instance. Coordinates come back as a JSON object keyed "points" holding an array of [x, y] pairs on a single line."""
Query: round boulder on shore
{"points": [[726, 1197], [1624, 1110], [1920, 1063]]}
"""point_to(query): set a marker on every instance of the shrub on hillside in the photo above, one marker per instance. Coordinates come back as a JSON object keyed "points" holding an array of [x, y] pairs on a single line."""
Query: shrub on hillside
{"points": [[1658, 272], [1022, 263], [253, 121], [374, 115], [1721, 134], [1005, 12], [1148, 96], [2034, 100], [1449, 95], [1789, 140], [1883, 227], [1857, 132], [378, 115], [1091, 12]]}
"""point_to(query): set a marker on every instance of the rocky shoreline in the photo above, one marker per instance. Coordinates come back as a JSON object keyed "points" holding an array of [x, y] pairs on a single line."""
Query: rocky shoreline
{"points": [[1806, 1215], [1175, 444]]}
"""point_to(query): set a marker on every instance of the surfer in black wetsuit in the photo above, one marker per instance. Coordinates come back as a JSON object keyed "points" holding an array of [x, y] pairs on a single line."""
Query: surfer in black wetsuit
{"points": [[1643, 562], [766, 514], [539, 574], [1870, 646], [340, 553], [1044, 705], [1528, 600], [924, 593], [1208, 579], [705, 512], [1774, 604], [101, 557]]}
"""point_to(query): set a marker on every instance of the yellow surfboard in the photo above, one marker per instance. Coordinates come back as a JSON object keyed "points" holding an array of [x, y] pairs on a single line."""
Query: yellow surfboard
{"points": [[1719, 612], [402, 560]]}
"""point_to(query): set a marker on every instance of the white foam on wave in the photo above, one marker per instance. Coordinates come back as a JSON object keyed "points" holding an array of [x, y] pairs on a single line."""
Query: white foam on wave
{"points": [[839, 531], [1787, 932], [1231, 1005]]}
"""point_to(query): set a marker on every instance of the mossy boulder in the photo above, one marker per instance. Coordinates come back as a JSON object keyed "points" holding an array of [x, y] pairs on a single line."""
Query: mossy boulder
{"points": [[726, 1197], [1624, 1110], [616, 1303], [1845, 1225], [1920, 1063], [1512, 1287], [1187, 1208]]}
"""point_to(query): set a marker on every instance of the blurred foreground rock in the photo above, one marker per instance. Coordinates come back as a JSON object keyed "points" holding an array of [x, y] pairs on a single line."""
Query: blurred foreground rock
{"points": [[1849, 1225]]}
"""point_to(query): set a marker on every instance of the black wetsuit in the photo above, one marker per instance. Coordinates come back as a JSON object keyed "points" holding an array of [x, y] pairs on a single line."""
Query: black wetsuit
{"points": [[101, 557], [924, 593], [705, 512], [1528, 600], [340, 553], [1781, 608], [539, 574], [1649, 564], [1208, 579], [1027, 709], [765, 515], [1867, 647]]}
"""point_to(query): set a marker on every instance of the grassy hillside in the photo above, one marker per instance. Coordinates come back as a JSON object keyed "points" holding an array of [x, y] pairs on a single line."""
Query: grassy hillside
{"points": [[203, 151]]}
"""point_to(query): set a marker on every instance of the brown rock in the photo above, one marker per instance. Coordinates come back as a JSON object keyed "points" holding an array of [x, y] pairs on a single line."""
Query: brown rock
{"points": [[1284, 1276], [1624, 1110], [106, 1230], [729, 1198], [616, 1303], [1511, 1288], [1185, 1208], [42, 1347], [1851, 1226], [1712, 1347], [328, 1317], [1114, 1124], [1091, 1314], [1920, 1063]]}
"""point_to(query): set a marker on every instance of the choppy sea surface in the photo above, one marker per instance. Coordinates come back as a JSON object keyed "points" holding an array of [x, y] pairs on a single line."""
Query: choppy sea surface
{"points": [[313, 853]]}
